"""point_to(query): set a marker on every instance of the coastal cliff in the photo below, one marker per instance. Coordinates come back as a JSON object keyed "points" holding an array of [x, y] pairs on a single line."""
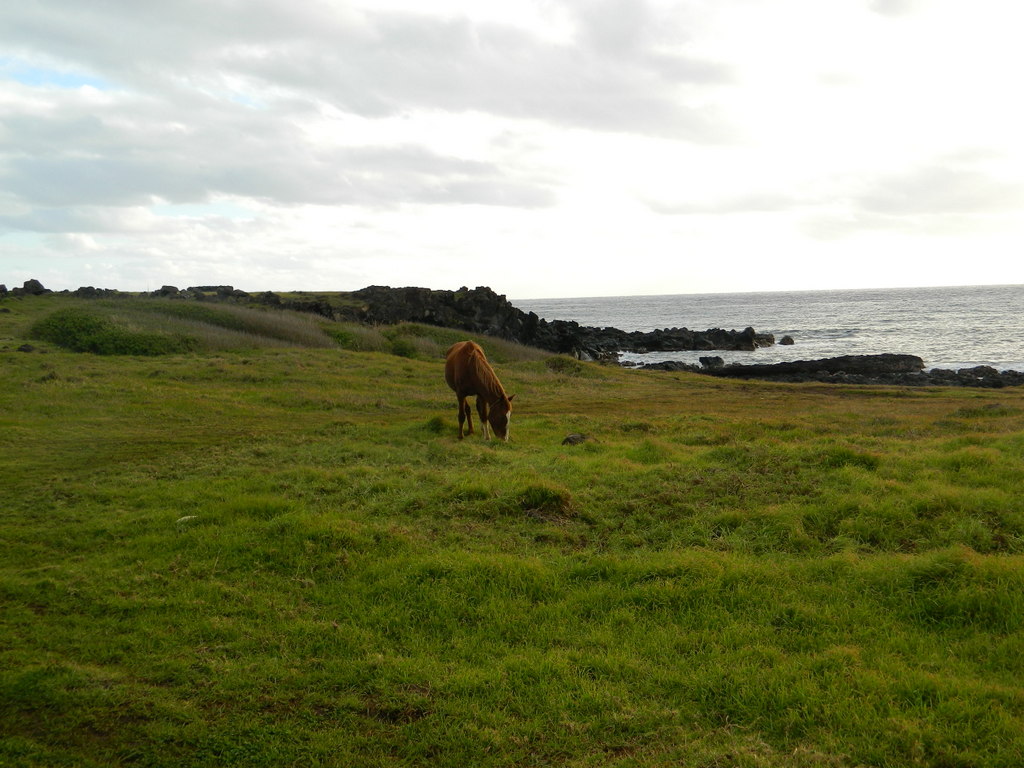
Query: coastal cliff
{"points": [[481, 310]]}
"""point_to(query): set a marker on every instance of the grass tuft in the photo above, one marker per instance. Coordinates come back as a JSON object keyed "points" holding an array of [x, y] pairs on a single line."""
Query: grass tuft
{"points": [[544, 499]]}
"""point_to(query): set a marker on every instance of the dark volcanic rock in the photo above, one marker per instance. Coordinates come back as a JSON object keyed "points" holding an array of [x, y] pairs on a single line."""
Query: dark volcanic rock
{"points": [[906, 370], [480, 310], [574, 439], [980, 371], [865, 365], [35, 288], [268, 297], [30, 288]]}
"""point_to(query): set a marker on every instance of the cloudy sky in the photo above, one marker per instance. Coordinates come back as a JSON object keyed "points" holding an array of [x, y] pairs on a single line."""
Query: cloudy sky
{"points": [[545, 148]]}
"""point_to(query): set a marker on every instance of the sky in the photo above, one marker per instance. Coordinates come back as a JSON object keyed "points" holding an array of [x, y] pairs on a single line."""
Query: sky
{"points": [[543, 148]]}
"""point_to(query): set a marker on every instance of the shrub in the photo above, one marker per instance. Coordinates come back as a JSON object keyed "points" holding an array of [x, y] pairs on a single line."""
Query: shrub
{"points": [[564, 366], [83, 331], [71, 328], [436, 425], [358, 338], [403, 347]]}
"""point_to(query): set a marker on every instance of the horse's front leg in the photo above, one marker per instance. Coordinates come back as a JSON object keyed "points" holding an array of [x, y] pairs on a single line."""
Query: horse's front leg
{"points": [[481, 409]]}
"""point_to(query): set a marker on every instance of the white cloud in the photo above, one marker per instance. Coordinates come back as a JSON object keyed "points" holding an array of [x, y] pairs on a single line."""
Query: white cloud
{"points": [[893, 7], [940, 190], [536, 147]]}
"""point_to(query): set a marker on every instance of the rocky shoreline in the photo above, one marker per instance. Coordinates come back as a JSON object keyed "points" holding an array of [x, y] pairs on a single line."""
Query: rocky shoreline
{"points": [[481, 310], [889, 369]]}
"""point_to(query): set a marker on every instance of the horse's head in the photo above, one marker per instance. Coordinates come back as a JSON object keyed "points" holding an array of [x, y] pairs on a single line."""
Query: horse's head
{"points": [[499, 415]]}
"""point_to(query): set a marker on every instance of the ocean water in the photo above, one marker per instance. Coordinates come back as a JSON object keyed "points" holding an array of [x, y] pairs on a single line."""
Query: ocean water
{"points": [[947, 327]]}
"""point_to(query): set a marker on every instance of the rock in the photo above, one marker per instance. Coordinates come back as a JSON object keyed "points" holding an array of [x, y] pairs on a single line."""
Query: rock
{"points": [[3, 289], [673, 365], [834, 369], [786, 341], [712, 361], [970, 377], [166, 290], [866, 365], [747, 340], [980, 371], [574, 439], [602, 356], [30, 288], [480, 310], [26, 348], [88, 292]]}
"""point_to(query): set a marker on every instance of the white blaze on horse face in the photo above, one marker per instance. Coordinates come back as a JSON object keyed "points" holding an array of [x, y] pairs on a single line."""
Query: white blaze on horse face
{"points": [[508, 425]]}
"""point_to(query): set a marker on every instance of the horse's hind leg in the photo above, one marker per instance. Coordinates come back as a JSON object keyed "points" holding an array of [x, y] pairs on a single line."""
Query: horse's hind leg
{"points": [[465, 414]]}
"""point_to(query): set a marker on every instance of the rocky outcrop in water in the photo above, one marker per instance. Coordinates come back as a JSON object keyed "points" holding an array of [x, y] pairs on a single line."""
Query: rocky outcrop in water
{"points": [[863, 365]]}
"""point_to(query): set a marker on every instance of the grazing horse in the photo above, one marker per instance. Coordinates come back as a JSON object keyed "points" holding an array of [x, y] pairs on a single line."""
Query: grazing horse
{"points": [[468, 373]]}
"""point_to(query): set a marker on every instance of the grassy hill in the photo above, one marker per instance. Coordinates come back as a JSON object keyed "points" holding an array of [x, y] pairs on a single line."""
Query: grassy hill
{"points": [[255, 540]]}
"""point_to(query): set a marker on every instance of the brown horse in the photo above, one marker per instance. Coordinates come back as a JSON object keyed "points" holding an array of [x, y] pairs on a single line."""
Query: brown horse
{"points": [[468, 373]]}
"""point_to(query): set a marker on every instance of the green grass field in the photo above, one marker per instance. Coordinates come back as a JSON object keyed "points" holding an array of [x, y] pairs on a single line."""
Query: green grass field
{"points": [[255, 540]]}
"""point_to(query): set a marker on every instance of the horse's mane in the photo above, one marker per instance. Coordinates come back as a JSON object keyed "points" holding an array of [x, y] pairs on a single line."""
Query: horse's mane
{"points": [[486, 376]]}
